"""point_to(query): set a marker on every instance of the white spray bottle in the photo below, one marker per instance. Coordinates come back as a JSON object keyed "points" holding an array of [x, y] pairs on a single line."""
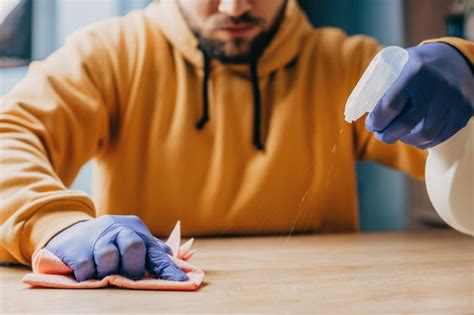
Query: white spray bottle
{"points": [[450, 166]]}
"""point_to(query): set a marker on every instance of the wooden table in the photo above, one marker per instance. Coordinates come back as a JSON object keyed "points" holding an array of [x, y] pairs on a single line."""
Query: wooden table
{"points": [[426, 272]]}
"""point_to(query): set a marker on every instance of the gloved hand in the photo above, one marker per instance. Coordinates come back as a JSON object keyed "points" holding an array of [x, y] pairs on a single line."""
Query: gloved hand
{"points": [[431, 101], [113, 244]]}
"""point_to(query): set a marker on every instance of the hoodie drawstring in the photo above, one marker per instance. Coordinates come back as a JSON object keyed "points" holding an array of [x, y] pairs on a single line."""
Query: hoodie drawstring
{"points": [[205, 97], [257, 139]]}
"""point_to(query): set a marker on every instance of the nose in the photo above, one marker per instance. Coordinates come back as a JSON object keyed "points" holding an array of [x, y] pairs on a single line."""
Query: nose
{"points": [[234, 8]]}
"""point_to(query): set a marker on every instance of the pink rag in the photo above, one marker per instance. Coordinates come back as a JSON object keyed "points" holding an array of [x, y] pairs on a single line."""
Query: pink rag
{"points": [[49, 271]]}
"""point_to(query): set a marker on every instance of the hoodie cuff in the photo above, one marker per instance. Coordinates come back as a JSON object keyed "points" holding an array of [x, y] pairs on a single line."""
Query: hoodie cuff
{"points": [[465, 47], [40, 228]]}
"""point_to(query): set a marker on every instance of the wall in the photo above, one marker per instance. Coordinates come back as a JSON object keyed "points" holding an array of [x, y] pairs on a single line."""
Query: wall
{"points": [[382, 19]]}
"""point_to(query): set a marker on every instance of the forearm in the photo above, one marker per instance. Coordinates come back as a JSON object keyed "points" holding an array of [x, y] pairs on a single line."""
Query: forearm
{"points": [[34, 203], [51, 123]]}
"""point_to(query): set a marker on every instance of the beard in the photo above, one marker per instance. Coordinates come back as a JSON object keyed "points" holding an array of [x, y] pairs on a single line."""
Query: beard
{"points": [[244, 51]]}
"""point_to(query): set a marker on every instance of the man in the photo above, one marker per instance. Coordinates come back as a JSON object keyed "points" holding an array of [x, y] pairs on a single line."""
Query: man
{"points": [[227, 115]]}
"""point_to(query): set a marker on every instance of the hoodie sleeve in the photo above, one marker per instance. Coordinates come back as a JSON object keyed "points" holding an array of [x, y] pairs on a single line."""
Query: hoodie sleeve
{"points": [[51, 123], [465, 47]]}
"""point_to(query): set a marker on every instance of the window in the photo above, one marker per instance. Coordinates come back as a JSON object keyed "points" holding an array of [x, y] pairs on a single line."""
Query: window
{"points": [[15, 32]]}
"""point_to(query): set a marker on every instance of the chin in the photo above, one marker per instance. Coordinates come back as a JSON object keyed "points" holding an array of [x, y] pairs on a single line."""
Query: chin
{"points": [[236, 52]]}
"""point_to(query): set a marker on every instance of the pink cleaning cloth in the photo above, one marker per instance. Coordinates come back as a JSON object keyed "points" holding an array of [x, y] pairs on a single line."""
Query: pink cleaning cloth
{"points": [[49, 271]]}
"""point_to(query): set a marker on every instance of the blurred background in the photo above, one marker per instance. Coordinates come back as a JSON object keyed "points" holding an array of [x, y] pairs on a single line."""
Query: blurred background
{"points": [[32, 29]]}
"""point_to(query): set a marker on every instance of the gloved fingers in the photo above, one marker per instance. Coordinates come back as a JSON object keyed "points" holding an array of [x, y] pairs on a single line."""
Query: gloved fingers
{"points": [[423, 134], [163, 246], [439, 114], [456, 121], [81, 262], [460, 119], [84, 268], [393, 101], [132, 251], [106, 259], [150, 240], [418, 120], [401, 126], [136, 224], [162, 266]]}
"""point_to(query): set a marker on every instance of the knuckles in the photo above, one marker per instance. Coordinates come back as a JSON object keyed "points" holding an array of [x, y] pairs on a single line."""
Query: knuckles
{"points": [[135, 246]]}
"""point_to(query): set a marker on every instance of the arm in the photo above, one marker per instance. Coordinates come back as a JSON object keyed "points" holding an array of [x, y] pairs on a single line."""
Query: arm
{"points": [[428, 107], [51, 123], [64, 113], [431, 101]]}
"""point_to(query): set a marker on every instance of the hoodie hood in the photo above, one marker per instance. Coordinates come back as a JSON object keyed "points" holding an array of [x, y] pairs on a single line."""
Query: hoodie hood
{"points": [[282, 49]]}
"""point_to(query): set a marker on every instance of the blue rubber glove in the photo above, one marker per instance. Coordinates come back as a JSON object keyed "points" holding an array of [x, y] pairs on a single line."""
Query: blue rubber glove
{"points": [[113, 244], [431, 101]]}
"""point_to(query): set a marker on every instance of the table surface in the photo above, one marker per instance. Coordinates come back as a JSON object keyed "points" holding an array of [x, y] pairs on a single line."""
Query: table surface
{"points": [[376, 273]]}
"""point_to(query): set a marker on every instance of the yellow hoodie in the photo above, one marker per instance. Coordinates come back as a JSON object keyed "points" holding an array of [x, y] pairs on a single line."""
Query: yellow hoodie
{"points": [[128, 92]]}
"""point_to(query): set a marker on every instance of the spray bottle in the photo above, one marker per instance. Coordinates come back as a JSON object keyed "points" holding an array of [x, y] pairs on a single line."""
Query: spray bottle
{"points": [[450, 166]]}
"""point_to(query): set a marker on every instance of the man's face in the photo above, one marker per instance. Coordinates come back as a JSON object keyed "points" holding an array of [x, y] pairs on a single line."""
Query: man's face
{"points": [[233, 31]]}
